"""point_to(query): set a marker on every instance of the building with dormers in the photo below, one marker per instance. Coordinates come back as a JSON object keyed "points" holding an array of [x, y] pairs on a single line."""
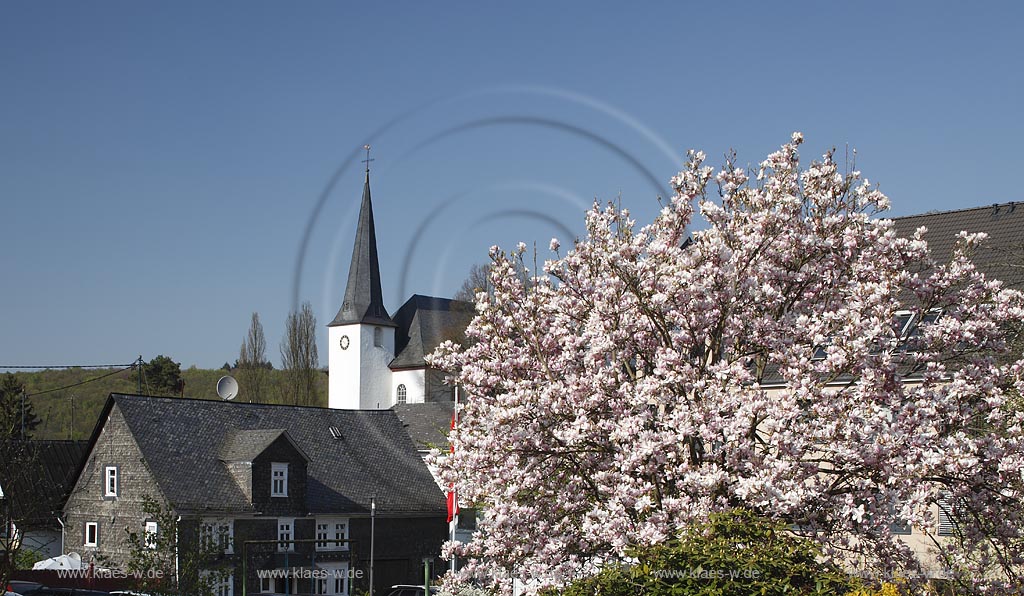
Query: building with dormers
{"points": [[290, 493]]}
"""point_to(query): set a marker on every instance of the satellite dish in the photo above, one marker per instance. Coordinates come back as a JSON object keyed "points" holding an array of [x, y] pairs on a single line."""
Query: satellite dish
{"points": [[227, 387]]}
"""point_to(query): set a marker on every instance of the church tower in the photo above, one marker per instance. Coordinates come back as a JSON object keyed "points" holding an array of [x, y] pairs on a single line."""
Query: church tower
{"points": [[361, 338]]}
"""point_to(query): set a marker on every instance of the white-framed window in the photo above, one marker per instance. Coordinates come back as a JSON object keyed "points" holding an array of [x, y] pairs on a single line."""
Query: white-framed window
{"points": [[913, 333], [901, 528], [151, 534], [331, 532], [821, 351], [908, 327], [331, 579], [218, 533], [378, 337], [222, 584], [899, 525], [901, 323], [278, 479], [110, 481], [92, 534], [400, 394], [285, 534], [282, 583]]}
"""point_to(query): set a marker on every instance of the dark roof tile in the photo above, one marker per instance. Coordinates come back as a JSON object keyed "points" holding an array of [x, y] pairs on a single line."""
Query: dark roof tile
{"points": [[427, 423], [42, 486], [424, 322], [183, 440], [1001, 256]]}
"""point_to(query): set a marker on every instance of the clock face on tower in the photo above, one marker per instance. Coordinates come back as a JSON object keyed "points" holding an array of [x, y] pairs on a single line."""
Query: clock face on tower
{"points": [[344, 342]]}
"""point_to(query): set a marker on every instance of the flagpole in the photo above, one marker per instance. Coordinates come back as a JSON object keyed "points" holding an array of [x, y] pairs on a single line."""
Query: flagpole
{"points": [[455, 505]]}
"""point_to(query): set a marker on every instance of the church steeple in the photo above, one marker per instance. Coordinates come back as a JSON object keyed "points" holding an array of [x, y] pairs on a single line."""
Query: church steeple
{"points": [[363, 301]]}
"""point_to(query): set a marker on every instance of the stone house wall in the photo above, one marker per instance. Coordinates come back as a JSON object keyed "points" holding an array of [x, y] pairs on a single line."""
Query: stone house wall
{"points": [[115, 446]]}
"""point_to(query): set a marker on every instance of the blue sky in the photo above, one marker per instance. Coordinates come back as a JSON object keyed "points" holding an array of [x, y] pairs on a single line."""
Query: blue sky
{"points": [[161, 164]]}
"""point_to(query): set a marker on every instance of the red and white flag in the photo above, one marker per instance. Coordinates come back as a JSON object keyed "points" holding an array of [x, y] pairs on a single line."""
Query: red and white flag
{"points": [[453, 502]]}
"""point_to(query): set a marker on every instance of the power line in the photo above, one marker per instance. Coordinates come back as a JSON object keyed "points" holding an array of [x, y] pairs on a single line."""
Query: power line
{"points": [[70, 366], [126, 367]]}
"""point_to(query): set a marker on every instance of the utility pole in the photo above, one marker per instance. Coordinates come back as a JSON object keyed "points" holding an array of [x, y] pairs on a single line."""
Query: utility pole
{"points": [[22, 415], [139, 364], [71, 434], [373, 519]]}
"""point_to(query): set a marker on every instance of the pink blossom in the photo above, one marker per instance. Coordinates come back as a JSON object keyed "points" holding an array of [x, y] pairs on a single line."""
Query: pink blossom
{"points": [[641, 384]]}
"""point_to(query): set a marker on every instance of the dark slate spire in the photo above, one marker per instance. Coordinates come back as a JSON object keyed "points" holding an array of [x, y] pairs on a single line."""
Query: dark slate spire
{"points": [[363, 301]]}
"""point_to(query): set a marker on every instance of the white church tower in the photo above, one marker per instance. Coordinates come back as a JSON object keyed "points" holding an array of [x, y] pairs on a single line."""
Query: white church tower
{"points": [[361, 338]]}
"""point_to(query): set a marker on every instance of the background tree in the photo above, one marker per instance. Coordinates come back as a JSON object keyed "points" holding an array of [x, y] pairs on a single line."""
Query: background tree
{"points": [[163, 376], [21, 489], [17, 417], [253, 366], [299, 357], [654, 377], [478, 280]]}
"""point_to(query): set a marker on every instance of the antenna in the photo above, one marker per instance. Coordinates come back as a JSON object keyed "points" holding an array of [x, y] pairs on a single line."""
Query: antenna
{"points": [[227, 388]]}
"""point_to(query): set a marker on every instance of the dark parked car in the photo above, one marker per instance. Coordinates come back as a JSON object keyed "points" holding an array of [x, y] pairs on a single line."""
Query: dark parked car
{"points": [[21, 587], [45, 591], [408, 590]]}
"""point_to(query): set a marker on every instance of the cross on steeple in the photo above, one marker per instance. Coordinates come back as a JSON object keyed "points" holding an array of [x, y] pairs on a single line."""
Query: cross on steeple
{"points": [[367, 160]]}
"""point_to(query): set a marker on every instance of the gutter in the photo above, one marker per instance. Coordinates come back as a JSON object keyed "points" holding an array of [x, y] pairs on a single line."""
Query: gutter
{"points": [[177, 578], [62, 529]]}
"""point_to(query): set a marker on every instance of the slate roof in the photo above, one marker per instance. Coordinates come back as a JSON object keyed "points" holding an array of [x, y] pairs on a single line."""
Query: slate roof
{"points": [[43, 487], [246, 445], [427, 423], [1001, 256], [183, 440], [423, 323], [364, 302]]}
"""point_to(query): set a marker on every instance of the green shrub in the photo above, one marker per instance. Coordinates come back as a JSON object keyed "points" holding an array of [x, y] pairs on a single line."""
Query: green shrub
{"points": [[735, 554]]}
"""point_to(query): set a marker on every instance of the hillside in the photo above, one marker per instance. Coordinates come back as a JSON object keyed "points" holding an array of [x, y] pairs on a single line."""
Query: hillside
{"points": [[71, 411]]}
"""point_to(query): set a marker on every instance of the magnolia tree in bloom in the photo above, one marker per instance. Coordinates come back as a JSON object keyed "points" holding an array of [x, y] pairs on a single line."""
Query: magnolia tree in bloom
{"points": [[652, 376]]}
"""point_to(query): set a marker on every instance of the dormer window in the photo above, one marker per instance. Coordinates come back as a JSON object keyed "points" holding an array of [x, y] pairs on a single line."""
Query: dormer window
{"points": [[110, 481], [278, 480], [378, 337]]}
